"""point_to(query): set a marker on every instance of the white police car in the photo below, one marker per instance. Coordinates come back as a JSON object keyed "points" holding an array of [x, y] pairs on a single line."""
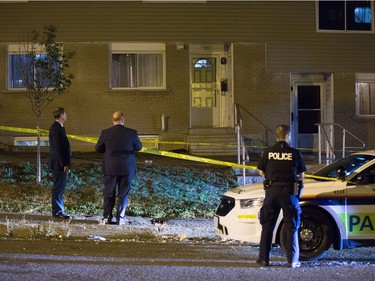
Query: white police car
{"points": [[338, 213]]}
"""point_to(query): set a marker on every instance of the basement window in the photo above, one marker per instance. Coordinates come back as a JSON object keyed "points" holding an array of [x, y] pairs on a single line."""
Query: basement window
{"points": [[30, 141]]}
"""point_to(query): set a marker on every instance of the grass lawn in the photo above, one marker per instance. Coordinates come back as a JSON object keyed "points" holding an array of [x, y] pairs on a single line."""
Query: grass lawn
{"points": [[165, 188]]}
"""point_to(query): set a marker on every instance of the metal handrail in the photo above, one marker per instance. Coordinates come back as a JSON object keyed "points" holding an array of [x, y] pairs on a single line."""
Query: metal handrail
{"points": [[241, 147], [241, 150], [330, 155], [266, 128]]}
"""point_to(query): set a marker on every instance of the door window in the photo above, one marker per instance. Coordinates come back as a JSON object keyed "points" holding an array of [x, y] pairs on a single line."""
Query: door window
{"points": [[309, 111]]}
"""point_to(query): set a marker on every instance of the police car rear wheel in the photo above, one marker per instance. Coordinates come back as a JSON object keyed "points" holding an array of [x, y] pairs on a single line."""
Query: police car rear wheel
{"points": [[315, 235]]}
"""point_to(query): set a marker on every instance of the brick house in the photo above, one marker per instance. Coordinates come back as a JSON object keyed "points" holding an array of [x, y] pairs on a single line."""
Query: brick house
{"points": [[178, 68]]}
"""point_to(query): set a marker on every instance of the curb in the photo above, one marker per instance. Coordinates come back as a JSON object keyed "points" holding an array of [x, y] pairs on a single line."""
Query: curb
{"points": [[36, 226]]}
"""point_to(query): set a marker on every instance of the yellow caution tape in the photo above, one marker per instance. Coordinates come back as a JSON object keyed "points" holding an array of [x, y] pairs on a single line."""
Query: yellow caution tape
{"points": [[84, 139], [196, 158], [21, 130], [94, 140], [320, 178], [145, 150]]}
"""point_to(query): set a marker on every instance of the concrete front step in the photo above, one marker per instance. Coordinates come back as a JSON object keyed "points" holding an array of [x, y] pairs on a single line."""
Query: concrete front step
{"points": [[217, 147], [212, 141], [211, 131], [207, 153]]}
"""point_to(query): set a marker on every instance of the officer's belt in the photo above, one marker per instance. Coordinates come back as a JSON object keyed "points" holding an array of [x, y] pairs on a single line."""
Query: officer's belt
{"points": [[281, 183]]}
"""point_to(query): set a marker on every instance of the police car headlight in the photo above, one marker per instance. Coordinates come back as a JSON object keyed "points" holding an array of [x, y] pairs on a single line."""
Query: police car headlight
{"points": [[249, 203]]}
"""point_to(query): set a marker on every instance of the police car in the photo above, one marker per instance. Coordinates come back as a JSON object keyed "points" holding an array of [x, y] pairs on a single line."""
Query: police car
{"points": [[337, 202]]}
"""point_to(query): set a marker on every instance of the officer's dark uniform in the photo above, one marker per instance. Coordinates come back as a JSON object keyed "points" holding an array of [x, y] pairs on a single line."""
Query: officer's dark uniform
{"points": [[281, 165]]}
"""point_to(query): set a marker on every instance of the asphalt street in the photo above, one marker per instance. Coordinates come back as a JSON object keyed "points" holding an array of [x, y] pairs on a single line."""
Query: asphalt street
{"points": [[37, 247], [77, 259]]}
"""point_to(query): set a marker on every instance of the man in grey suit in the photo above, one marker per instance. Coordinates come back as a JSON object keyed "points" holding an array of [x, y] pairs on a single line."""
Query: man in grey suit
{"points": [[119, 144], [59, 161]]}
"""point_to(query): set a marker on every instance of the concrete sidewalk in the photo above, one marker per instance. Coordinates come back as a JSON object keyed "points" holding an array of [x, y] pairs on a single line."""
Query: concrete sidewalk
{"points": [[29, 226]]}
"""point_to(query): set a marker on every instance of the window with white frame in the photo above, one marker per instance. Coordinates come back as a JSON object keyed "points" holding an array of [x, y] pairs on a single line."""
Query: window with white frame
{"points": [[23, 64], [365, 94], [345, 15], [137, 66]]}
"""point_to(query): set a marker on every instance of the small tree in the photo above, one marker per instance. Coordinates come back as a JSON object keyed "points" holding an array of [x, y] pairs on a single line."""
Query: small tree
{"points": [[42, 66]]}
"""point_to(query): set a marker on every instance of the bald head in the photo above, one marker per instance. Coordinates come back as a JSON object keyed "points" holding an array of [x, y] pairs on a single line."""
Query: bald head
{"points": [[118, 118]]}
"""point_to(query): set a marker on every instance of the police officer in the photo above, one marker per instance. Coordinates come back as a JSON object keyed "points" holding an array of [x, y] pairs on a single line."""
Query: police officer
{"points": [[283, 167]]}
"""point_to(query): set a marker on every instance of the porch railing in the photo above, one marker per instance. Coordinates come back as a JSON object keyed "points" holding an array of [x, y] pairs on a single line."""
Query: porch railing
{"points": [[326, 132], [241, 149], [242, 155]]}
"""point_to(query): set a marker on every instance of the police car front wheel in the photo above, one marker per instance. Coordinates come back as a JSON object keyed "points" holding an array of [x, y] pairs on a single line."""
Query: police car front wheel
{"points": [[315, 235]]}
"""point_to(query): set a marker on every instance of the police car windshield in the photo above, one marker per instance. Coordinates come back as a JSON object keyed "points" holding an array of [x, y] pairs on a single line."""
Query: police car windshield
{"points": [[350, 164]]}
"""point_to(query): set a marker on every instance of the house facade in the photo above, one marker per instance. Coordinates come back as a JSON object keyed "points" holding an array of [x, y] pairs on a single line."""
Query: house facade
{"points": [[179, 68]]}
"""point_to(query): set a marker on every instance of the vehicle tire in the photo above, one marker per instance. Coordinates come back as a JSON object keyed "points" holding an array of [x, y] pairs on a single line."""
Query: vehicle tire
{"points": [[314, 235]]}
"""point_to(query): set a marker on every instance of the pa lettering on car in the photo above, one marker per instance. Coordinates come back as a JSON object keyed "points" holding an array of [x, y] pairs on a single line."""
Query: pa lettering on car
{"points": [[361, 223]]}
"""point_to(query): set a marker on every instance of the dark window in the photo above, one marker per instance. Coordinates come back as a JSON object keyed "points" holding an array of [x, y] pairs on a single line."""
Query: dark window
{"points": [[332, 15], [309, 97], [309, 111], [358, 15], [345, 15], [26, 70], [307, 122]]}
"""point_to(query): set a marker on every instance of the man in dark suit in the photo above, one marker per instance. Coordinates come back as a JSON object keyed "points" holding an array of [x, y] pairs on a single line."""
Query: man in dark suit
{"points": [[119, 144], [59, 161]]}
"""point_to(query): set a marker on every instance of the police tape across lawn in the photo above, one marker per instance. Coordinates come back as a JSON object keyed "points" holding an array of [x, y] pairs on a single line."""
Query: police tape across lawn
{"points": [[152, 151], [144, 150]]}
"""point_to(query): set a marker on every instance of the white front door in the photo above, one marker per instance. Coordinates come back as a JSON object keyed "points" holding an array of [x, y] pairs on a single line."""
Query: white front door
{"points": [[211, 103], [204, 100]]}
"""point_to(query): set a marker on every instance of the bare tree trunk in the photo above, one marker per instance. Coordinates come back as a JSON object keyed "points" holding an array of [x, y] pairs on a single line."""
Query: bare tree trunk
{"points": [[39, 172], [38, 156]]}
